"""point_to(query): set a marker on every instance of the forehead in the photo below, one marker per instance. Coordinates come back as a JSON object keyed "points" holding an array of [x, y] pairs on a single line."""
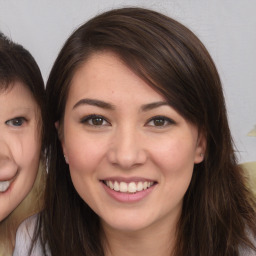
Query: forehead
{"points": [[105, 74], [17, 94]]}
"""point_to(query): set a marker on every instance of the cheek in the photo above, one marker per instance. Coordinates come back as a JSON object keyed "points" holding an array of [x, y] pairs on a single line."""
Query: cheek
{"points": [[26, 149], [84, 158], [30, 162], [174, 157], [26, 153], [30, 152], [175, 162], [83, 154]]}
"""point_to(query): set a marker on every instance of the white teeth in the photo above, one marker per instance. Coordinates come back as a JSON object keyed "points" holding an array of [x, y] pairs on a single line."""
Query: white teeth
{"points": [[131, 187], [150, 184], [4, 185], [116, 186], [123, 187], [140, 186], [111, 185]]}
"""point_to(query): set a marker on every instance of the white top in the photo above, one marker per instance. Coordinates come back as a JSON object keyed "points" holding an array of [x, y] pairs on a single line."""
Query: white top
{"points": [[24, 237]]}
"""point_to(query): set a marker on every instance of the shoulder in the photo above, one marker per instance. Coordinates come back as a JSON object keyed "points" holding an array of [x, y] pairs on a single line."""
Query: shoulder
{"points": [[246, 251], [24, 237]]}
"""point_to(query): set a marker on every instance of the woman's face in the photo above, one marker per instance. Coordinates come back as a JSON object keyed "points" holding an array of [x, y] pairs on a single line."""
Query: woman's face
{"points": [[19, 146], [130, 154]]}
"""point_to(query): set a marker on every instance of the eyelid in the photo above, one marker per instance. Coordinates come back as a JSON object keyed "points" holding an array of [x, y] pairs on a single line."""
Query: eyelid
{"points": [[86, 119], [169, 120], [8, 122]]}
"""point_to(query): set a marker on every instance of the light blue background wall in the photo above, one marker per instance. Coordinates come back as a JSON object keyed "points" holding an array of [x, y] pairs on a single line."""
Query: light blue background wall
{"points": [[226, 27]]}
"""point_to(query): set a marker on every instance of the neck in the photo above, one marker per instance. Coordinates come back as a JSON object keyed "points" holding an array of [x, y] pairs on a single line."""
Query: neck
{"points": [[151, 241]]}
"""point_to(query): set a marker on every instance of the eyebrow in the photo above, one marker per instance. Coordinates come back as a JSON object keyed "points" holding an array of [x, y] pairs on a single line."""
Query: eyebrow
{"points": [[154, 105], [93, 102], [106, 105]]}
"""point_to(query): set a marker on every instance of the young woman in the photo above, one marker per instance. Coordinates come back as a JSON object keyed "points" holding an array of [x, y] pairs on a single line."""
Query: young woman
{"points": [[137, 109], [22, 111]]}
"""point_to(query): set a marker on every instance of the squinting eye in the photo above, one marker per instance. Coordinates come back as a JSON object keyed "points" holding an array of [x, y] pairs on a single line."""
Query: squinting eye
{"points": [[16, 122], [160, 121], [95, 120]]}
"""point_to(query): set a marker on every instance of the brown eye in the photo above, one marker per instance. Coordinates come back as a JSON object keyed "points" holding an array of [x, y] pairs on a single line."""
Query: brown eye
{"points": [[95, 120], [160, 121]]}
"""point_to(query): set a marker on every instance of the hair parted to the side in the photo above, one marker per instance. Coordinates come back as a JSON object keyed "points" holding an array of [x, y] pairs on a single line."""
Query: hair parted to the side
{"points": [[18, 65], [218, 210]]}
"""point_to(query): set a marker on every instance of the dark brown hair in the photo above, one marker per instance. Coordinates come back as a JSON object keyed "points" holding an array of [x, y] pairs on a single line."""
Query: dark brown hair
{"points": [[218, 210], [18, 65]]}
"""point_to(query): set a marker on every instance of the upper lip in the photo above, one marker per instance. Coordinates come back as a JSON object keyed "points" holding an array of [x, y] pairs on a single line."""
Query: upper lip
{"points": [[11, 178], [127, 179], [5, 184]]}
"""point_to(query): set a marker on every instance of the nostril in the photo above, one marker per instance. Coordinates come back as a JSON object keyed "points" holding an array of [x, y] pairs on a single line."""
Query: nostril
{"points": [[127, 159]]}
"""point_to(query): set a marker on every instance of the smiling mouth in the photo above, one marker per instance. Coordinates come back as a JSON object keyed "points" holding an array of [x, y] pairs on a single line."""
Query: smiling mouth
{"points": [[4, 185], [130, 187]]}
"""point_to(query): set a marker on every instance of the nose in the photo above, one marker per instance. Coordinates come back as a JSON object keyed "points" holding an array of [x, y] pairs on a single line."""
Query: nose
{"points": [[126, 149]]}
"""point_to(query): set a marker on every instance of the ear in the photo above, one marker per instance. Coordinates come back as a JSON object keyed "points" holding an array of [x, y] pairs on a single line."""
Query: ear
{"points": [[200, 148], [61, 138]]}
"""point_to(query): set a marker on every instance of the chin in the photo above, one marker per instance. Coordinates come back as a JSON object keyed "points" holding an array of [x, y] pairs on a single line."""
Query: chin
{"points": [[130, 224]]}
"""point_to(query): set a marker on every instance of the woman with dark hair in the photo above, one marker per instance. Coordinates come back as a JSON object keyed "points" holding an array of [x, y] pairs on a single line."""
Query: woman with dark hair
{"points": [[137, 109], [22, 115]]}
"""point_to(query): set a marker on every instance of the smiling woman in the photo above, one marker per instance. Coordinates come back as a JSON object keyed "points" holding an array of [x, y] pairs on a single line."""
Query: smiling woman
{"points": [[127, 168], [20, 147], [136, 107], [21, 130]]}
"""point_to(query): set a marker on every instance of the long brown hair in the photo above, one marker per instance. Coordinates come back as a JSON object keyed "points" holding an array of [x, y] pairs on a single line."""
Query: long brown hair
{"points": [[218, 210], [17, 64]]}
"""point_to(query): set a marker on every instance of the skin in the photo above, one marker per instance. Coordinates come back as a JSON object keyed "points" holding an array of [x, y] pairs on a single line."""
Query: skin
{"points": [[19, 145], [128, 141]]}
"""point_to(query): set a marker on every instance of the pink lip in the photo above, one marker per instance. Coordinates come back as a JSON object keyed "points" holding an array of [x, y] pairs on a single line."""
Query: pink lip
{"points": [[127, 180], [9, 178], [128, 197], [11, 185]]}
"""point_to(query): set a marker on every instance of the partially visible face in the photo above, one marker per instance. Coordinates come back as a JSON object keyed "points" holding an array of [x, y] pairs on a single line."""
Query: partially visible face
{"points": [[20, 143], [130, 154]]}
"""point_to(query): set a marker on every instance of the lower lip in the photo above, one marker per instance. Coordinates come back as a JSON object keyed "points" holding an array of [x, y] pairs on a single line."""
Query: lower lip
{"points": [[128, 197]]}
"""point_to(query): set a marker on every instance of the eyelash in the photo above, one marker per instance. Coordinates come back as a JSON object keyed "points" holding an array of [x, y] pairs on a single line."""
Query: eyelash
{"points": [[167, 121], [88, 120], [16, 122]]}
